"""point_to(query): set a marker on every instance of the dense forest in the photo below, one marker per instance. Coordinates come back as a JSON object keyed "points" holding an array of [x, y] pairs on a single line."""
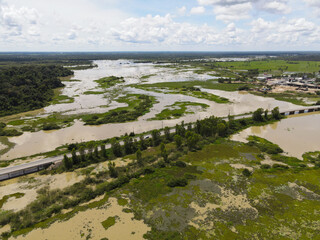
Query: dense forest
{"points": [[76, 58], [29, 87]]}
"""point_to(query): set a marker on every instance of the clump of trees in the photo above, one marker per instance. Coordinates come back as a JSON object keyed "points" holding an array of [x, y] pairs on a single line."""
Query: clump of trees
{"points": [[261, 115], [28, 87], [8, 132]]}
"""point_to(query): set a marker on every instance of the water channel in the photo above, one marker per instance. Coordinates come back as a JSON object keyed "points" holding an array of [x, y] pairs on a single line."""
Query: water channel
{"points": [[36, 142]]}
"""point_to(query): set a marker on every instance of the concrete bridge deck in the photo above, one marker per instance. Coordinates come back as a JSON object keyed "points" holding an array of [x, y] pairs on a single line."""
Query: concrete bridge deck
{"points": [[35, 166]]}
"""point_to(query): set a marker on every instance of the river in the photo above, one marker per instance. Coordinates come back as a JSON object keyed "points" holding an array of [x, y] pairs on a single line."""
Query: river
{"points": [[36, 142]]}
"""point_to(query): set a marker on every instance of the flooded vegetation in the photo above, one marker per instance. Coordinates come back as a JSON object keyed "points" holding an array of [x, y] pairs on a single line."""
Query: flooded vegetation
{"points": [[209, 165], [108, 100]]}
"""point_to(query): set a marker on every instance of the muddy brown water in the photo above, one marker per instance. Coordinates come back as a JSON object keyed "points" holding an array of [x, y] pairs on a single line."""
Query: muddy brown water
{"points": [[33, 143], [296, 134]]}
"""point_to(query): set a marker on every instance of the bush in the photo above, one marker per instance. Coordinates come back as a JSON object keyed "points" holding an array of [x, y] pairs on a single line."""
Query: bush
{"points": [[190, 176], [178, 182], [72, 146], [50, 126], [148, 170], [265, 166], [244, 88], [264, 145], [246, 172], [179, 164], [279, 166], [10, 132], [27, 129]]}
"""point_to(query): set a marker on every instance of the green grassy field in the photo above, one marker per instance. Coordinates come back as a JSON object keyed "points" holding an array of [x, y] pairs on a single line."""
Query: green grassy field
{"points": [[219, 202], [273, 66], [210, 84]]}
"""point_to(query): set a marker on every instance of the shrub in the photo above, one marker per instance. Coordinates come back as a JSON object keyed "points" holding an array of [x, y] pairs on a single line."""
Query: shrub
{"points": [[246, 172], [279, 166], [148, 170], [265, 166], [27, 129], [179, 164], [50, 126], [10, 132], [178, 182]]}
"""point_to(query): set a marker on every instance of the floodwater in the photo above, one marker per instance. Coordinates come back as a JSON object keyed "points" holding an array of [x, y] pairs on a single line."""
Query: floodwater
{"points": [[36, 142], [29, 186], [296, 134], [87, 225]]}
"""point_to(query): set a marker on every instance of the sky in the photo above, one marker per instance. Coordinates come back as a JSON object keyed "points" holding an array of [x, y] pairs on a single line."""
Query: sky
{"points": [[159, 25]]}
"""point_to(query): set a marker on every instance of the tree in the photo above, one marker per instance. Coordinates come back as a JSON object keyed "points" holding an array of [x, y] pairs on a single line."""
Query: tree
{"points": [[257, 115], [164, 153], [90, 147], [276, 113], [167, 134], [266, 117], [103, 151], [67, 162], [82, 154], [192, 140], [231, 122], [116, 148], [75, 159], [180, 129], [128, 145], [112, 170], [222, 129], [155, 137], [96, 152], [178, 141], [143, 144], [139, 157]]}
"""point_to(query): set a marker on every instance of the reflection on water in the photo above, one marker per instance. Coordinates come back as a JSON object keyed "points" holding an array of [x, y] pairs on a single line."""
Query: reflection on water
{"points": [[295, 135], [37, 142]]}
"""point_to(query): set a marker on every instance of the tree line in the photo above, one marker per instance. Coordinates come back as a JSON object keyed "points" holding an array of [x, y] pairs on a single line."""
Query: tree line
{"points": [[27, 88], [187, 137]]}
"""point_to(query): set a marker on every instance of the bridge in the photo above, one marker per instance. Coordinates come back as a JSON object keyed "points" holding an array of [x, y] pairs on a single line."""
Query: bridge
{"points": [[35, 166], [301, 110]]}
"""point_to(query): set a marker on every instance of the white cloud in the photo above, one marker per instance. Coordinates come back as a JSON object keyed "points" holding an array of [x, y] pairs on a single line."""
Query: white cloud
{"points": [[101, 25], [285, 32], [223, 2], [276, 7], [230, 10], [182, 11], [233, 12], [197, 10], [18, 22], [315, 4], [164, 30]]}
